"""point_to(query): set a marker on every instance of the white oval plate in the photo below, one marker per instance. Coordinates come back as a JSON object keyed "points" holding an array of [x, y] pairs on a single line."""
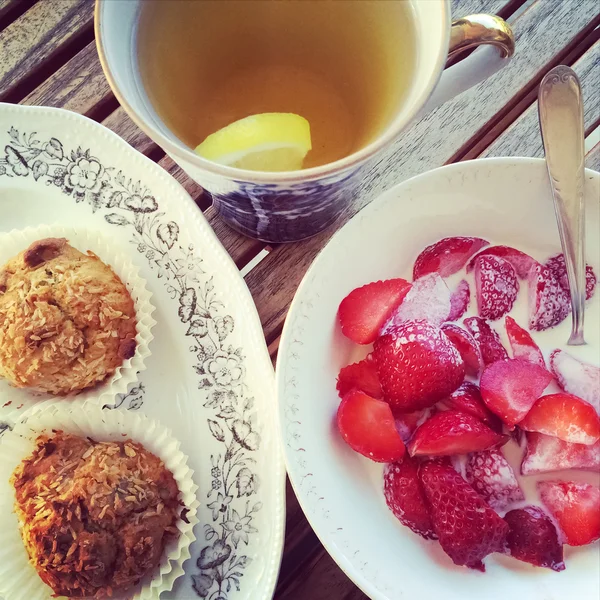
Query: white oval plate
{"points": [[209, 377], [507, 201]]}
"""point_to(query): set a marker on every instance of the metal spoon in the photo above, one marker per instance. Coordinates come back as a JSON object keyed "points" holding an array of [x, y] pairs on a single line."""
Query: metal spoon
{"points": [[561, 122]]}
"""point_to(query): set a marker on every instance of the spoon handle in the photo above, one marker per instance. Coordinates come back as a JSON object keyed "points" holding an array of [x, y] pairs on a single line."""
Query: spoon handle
{"points": [[561, 122]]}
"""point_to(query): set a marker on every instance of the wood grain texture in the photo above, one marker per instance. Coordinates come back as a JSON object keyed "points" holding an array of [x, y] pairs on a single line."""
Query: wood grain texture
{"points": [[428, 144], [37, 34], [121, 124]]}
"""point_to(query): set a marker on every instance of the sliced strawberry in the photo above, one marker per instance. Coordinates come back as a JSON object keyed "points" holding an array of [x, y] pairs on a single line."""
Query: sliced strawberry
{"points": [[557, 265], [545, 454], [467, 398], [407, 423], [448, 256], [468, 529], [359, 376], [564, 416], [364, 310], [405, 497], [459, 301], [367, 426], [453, 432], [520, 261], [467, 347], [493, 479], [488, 340], [497, 286], [428, 299], [576, 377], [533, 538], [549, 304], [417, 365], [575, 507], [510, 387], [522, 343]]}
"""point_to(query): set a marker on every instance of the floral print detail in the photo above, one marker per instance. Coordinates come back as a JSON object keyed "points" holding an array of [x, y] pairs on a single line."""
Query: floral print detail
{"points": [[219, 365]]}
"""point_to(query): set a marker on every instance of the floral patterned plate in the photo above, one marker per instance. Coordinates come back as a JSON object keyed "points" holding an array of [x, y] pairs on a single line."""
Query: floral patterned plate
{"points": [[209, 377]]}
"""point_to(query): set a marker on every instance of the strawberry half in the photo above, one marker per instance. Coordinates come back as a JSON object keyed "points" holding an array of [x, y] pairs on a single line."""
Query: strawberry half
{"points": [[549, 304], [417, 365], [428, 299], [510, 387], [489, 342], [533, 538], [468, 529], [467, 347], [575, 507], [520, 261], [576, 377], [557, 265], [467, 398], [522, 343], [364, 310], [367, 426], [448, 256], [564, 416], [497, 286], [453, 432], [459, 301], [405, 497], [359, 376], [545, 454], [493, 479]]}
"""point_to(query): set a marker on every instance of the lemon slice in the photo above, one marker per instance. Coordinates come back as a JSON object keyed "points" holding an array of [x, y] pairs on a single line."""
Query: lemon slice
{"points": [[265, 142]]}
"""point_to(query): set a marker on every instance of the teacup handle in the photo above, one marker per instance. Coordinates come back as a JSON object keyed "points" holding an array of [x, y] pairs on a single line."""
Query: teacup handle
{"points": [[469, 32]]}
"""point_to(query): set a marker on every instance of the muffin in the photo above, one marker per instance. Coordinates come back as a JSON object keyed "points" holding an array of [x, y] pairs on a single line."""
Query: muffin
{"points": [[67, 321], [95, 517]]}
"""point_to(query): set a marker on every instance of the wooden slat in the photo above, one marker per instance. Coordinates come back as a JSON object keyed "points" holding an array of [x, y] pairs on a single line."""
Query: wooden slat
{"points": [[36, 35], [121, 124], [429, 143]]}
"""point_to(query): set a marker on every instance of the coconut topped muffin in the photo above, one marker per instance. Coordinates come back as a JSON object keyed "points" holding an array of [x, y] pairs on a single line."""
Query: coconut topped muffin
{"points": [[67, 321], [95, 517]]}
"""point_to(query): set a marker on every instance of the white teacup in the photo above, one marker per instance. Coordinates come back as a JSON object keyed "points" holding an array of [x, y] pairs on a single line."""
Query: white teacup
{"points": [[289, 206]]}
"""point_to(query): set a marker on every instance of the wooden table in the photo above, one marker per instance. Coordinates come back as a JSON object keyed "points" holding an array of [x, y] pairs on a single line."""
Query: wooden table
{"points": [[48, 57]]}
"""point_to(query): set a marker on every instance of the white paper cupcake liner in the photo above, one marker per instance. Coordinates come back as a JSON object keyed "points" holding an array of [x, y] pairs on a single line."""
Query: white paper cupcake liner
{"points": [[18, 578], [14, 402]]}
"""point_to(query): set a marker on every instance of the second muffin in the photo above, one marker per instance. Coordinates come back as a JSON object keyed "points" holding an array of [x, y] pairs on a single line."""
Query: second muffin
{"points": [[67, 321]]}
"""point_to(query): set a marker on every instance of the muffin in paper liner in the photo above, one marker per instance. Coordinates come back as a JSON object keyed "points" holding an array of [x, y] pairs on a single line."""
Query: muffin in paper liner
{"points": [[18, 578], [15, 401]]}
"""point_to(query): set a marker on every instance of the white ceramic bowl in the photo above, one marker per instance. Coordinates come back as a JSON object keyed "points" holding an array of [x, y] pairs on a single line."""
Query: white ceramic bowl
{"points": [[507, 201]]}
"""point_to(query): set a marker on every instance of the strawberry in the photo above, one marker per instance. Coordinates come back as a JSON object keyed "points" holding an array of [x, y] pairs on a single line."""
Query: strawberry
{"points": [[359, 376], [467, 347], [405, 497], [564, 416], [522, 343], [446, 257], [468, 529], [576, 377], [367, 426], [407, 423], [575, 507], [558, 267], [549, 304], [545, 453], [459, 301], [510, 387], [417, 365], [520, 261], [488, 340], [467, 398], [493, 479], [497, 286], [364, 310], [533, 538], [453, 432], [427, 299]]}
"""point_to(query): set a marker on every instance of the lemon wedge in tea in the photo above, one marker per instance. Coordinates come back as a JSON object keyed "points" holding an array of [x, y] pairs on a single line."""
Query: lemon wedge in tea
{"points": [[264, 142]]}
